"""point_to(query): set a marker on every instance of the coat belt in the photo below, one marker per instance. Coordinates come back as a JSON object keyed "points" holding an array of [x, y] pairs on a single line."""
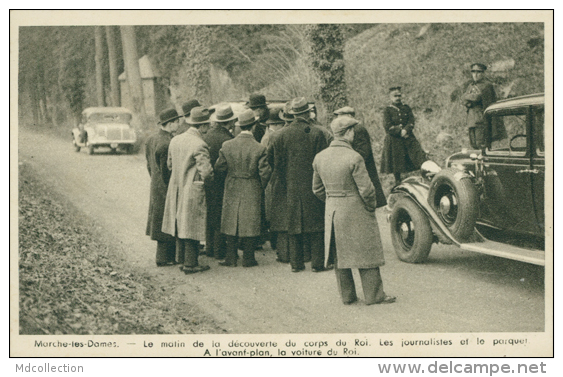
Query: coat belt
{"points": [[339, 193]]}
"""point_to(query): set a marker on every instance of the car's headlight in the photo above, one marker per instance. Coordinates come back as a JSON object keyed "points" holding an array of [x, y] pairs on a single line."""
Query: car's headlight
{"points": [[429, 169]]}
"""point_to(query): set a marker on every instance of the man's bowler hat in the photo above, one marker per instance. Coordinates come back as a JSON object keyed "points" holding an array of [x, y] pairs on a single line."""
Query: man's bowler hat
{"points": [[168, 115], [256, 100], [188, 106]]}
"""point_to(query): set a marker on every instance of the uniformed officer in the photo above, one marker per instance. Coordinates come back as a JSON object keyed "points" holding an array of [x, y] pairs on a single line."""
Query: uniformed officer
{"points": [[402, 152], [478, 94]]}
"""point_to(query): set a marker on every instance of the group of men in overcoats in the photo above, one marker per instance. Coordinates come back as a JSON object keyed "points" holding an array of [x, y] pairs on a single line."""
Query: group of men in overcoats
{"points": [[225, 180], [224, 184]]}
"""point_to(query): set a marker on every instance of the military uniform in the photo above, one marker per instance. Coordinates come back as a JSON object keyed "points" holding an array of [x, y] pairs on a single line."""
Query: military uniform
{"points": [[400, 155], [477, 96]]}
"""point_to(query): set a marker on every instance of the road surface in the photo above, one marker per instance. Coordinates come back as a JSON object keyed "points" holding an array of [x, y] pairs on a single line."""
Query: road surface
{"points": [[455, 291]]}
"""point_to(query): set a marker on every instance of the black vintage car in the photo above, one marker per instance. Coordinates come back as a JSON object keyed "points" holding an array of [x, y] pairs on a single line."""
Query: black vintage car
{"points": [[488, 200]]}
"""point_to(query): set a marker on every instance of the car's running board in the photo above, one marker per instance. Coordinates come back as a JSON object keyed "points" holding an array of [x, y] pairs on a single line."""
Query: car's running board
{"points": [[506, 251]]}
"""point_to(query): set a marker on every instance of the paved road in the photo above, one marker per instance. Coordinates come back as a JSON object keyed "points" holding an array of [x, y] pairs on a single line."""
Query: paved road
{"points": [[455, 291]]}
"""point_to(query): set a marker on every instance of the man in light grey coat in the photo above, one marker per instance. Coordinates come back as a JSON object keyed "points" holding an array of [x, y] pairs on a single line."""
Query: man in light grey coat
{"points": [[185, 212], [351, 233]]}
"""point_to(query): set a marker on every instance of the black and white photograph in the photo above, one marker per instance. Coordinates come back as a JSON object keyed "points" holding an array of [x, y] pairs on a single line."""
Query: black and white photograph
{"points": [[281, 183]]}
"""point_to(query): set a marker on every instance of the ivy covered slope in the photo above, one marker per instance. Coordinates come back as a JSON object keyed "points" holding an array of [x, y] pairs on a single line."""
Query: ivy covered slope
{"points": [[431, 62], [73, 282]]}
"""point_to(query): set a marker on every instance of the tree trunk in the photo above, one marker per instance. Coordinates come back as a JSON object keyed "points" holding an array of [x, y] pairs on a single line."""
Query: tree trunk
{"points": [[99, 38], [133, 73], [113, 71]]}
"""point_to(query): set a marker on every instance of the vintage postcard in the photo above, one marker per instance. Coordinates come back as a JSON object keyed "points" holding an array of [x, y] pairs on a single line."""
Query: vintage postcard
{"points": [[281, 184]]}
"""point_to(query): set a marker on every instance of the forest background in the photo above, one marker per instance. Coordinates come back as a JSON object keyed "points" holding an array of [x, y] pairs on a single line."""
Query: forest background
{"points": [[63, 70]]}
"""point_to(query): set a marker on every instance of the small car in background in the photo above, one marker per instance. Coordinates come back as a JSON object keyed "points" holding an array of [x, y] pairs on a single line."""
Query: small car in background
{"points": [[104, 127], [488, 200]]}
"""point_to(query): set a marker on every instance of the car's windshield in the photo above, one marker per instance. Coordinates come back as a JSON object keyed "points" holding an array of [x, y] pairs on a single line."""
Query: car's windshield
{"points": [[109, 118]]}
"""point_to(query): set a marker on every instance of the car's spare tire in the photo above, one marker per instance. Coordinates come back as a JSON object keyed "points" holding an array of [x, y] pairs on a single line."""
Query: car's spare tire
{"points": [[454, 198], [411, 233]]}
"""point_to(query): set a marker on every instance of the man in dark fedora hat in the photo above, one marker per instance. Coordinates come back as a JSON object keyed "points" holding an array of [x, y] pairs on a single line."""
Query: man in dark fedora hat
{"points": [[156, 152], [222, 120], [186, 109], [244, 161], [402, 152], [274, 123], [362, 144], [257, 103], [292, 153], [478, 94], [185, 212]]}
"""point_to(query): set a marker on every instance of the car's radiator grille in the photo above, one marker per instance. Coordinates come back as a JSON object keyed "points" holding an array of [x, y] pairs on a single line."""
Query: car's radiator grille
{"points": [[114, 134]]}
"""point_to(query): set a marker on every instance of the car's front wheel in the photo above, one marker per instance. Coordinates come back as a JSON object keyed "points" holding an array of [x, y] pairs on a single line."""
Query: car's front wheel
{"points": [[411, 233]]}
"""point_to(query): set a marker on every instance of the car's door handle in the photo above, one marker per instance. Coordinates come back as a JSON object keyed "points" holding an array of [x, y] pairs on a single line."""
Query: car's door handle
{"points": [[532, 171]]}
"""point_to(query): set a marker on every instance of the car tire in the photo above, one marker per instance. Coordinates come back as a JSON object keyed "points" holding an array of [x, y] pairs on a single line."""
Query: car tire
{"points": [[90, 149], [455, 201], [411, 233]]}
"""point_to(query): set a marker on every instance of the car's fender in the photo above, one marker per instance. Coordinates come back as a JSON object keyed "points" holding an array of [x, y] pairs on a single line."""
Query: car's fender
{"points": [[416, 188]]}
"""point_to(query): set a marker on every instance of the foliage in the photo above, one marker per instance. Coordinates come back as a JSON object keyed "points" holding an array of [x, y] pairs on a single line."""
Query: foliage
{"points": [[327, 48], [432, 68], [72, 280]]}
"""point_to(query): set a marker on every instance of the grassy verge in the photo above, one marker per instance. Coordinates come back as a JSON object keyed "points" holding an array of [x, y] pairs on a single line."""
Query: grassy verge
{"points": [[73, 280]]}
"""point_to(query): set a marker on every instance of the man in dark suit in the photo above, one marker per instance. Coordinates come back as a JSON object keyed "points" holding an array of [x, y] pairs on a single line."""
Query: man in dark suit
{"points": [[402, 152], [156, 151], [186, 109], [257, 103], [244, 161], [362, 144], [293, 151], [222, 120]]}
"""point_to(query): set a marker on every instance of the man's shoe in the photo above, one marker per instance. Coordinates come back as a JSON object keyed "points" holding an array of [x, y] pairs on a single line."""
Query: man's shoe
{"points": [[322, 269], [350, 302], [249, 264], [329, 267], [193, 270], [227, 264], [298, 269], [387, 300]]}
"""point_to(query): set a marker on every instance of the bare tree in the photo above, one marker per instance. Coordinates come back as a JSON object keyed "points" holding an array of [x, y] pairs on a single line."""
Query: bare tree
{"points": [[98, 57], [113, 70], [132, 72]]}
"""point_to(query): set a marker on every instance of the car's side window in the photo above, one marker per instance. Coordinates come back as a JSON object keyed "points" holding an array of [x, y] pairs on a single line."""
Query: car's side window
{"points": [[538, 127], [515, 140]]}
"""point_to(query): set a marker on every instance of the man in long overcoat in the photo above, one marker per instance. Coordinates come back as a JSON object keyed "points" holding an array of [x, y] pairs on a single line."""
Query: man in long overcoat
{"points": [[244, 160], [351, 231], [478, 94], [275, 124], [156, 151], [277, 189], [402, 152], [222, 120], [362, 145], [185, 212], [293, 152]]}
